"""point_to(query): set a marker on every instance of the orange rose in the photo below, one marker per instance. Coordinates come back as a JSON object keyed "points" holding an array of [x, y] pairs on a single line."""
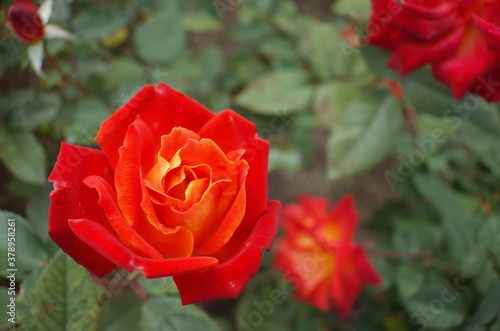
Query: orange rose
{"points": [[318, 255], [175, 190]]}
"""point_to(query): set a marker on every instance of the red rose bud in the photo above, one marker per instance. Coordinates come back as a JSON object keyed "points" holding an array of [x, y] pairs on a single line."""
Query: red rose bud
{"points": [[25, 21], [317, 253], [175, 190], [459, 39]]}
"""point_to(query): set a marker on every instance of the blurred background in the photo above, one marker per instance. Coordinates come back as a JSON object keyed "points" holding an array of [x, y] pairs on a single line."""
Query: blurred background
{"points": [[339, 122]]}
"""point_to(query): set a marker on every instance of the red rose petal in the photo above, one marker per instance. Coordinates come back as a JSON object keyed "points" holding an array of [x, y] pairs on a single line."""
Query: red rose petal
{"points": [[365, 269], [161, 108], [128, 177], [344, 212], [489, 31], [461, 70], [344, 291], [25, 21], [103, 241], [98, 237], [314, 206], [172, 267], [72, 199], [225, 230], [227, 279], [107, 200], [231, 132], [413, 55]]}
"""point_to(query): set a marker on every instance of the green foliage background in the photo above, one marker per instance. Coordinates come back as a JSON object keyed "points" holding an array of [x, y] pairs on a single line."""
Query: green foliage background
{"points": [[431, 162]]}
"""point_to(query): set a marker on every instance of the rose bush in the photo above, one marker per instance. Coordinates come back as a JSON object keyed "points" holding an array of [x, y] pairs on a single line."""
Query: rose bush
{"points": [[175, 190], [318, 255], [459, 39]]}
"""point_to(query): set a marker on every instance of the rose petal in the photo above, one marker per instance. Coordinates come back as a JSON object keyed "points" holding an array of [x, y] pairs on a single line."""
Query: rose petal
{"points": [[134, 154], [460, 71], [107, 201], [344, 212], [175, 140], [226, 228], [413, 55], [26, 22], [227, 279], [171, 237], [314, 206], [312, 269], [103, 241], [426, 28], [161, 108], [344, 291], [232, 132], [364, 267], [172, 267], [72, 199], [98, 237], [488, 85], [489, 31]]}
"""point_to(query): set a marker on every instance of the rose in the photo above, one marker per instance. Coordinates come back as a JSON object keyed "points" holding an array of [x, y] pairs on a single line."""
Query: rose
{"points": [[318, 255], [459, 39], [175, 190], [25, 21], [30, 25]]}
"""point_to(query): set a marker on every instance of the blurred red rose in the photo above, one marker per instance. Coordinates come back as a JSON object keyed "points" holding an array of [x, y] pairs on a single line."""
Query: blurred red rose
{"points": [[25, 21], [318, 255], [459, 39], [175, 190]]}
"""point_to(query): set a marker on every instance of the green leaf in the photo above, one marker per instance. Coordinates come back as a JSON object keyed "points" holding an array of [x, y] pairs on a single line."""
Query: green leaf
{"points": [[159, 286], [29, 250], [37, 211], [64, 297], [26, 110], [167, 314], [359, 9], [101, 22], [200, 22], [88, 114], [376, 60], [284, 158], [458, 229], [487, 276], [122, 313], [364, 135], [489, 307], [437, 307], [23, 155], [415, 235], [161, 37], [286, 90], [428, 95], [331, 100], [471, 263], [125, 71], [409, 281], [488, 234], [321, 45]]}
